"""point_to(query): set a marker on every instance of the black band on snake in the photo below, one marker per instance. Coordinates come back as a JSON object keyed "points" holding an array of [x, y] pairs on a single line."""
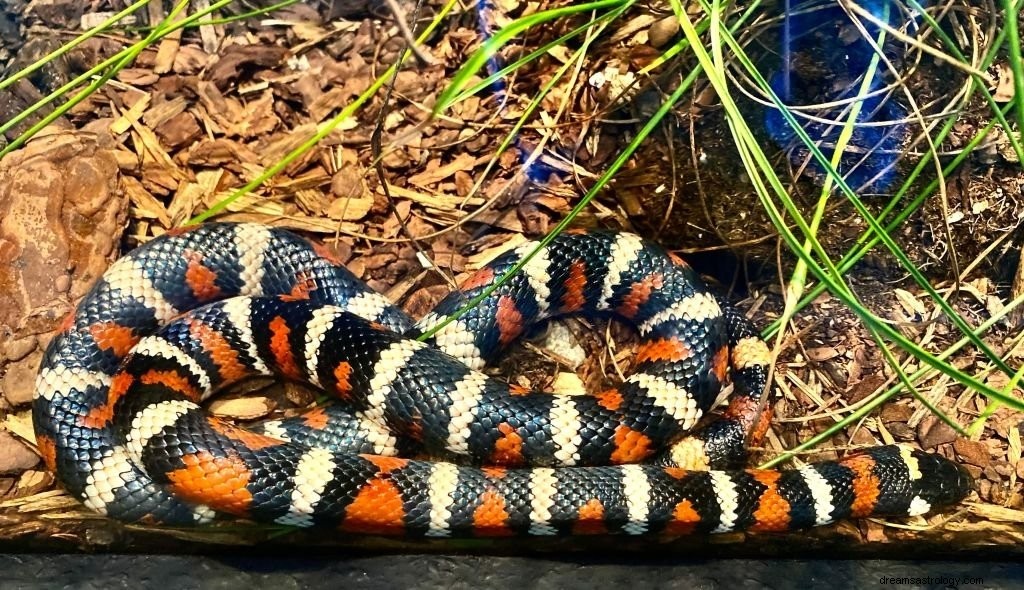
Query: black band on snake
{"points": [[417, 441]]}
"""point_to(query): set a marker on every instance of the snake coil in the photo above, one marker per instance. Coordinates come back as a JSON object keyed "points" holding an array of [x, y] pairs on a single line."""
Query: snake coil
{"points": [[416, 441]]}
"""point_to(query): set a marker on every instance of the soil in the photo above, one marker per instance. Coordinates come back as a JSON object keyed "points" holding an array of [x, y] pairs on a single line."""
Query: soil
{"points": [[195, 118]]}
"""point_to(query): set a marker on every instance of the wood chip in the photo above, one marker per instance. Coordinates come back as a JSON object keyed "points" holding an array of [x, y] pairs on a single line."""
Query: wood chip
{"points": [[462, 162], [155, 152], [567, 383], [143, 203], [436, 200], [20, 425], [822, 353], [210, 34], [1005, 90], [243, 408], [33, 481], [478, 260], [129, 117], [164, 111], [236, 58], [910, 304], [168, 47], [997, 513], [932, 432], [191, 194], [972, 452], [353, 199]]}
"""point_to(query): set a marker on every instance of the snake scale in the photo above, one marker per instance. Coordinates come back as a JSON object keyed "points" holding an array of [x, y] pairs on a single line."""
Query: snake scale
{"points": [[415, 440]]}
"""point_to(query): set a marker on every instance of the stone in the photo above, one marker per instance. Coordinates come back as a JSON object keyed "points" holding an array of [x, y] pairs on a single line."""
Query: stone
{"points": [[62, 213], [15, 456]]}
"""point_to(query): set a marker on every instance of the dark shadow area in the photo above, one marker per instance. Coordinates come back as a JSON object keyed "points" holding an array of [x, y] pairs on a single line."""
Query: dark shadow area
{"points": [[456, 572]]}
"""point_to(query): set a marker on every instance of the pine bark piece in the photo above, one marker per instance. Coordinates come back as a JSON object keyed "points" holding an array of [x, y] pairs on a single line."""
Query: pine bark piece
{"points": [[62, 212]]}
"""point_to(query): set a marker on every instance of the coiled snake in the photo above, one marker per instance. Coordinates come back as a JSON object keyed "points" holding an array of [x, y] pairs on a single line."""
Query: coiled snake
{"points": [[417, 442]]}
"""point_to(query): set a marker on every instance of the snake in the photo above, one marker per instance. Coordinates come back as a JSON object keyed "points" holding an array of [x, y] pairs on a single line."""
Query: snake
{"points": [[414, 438]]}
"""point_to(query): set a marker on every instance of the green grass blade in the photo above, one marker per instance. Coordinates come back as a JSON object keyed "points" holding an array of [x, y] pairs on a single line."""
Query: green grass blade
{"points": [[1011, 14], [863, 211], [754, 159], [324, 129], [110, 66], [543, 49], [126, 59], [915, 377], [73, 43], [535, 102], [491, 46], [685, 85]]}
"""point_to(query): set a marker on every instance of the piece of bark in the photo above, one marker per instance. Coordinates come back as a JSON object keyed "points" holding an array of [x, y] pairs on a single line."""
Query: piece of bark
{"points": [[62, 213], [15, 456]]}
